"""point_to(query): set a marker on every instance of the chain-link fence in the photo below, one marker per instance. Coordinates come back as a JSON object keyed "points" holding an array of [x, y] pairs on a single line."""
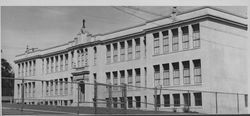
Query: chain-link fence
{"points": [[77, 96]]}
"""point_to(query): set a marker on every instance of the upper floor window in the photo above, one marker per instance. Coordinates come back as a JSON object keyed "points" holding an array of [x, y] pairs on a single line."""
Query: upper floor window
{"points": [[185, 38], [130, 78], [108, 53], [52, 64], [115, 53], [122, 75], [108, 78], [165, 41], [56, 63], [137, 48], [176, 73], [130, 51], [19, 70], [197, 71], [157, 75], [196, 35], [115, 80], [47, 65], [42, 65], [34, 67], [186, 72], [30, 68], [156, 43], [137, 77], [95, 55], [66, 61], [166, 76], [122, 51], [175, 41]]}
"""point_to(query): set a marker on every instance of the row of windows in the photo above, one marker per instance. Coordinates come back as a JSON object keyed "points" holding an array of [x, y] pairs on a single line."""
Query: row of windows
{"points": [[58, 87], [176, 73], [27, 68], [29, 90], [82, 57], [55, 63], [125, 48], [175, 39], [166, 100]]}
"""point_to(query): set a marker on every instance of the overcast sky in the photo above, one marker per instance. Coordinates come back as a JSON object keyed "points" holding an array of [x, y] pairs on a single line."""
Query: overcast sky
{"points": [[43, 27]]}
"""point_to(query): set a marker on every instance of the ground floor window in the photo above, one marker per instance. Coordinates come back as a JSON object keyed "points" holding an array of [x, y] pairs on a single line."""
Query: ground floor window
{"points": [[176, 99], [166, 100], [130, 102], [198, 99], [115, 102], [138, 101]]}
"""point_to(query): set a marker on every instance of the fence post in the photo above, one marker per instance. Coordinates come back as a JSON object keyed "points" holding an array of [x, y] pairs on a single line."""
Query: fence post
{"points": [[78, 96], [95, 97], [238, 108], [216, 103], [22, 94], [155, 90]]}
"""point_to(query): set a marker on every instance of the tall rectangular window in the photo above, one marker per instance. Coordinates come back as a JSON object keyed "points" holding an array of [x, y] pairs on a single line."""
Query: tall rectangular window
{"points": [[130, 51], [176, 73], [82, 58], [51, 88], [26, 68], [165, 41], [115, 80], [56, 63], [47, 66], [66, 86], [30, 68], [22, 69], [187, 99], [196, 35], [108, 53], [158, 100], [186, 72], [34, 67], [138, 77], [157, 75], [78, 58], [197, 71], [66, 61], [115, 52], [166, 78], [185, 38], [156, 43], [19, 70], [138, 101], [34, 90], [95, 55], [175, 40], [166, 100], [115, 102], [130, 78], [71, 85], [176, 99], [52, 65], [61, 86], [130, 102], [61, 63], [29, 87], [137, 48], [56, 87], [246, 100], [122, 51], [122, 75], [108, 78], [198, 99], [42, 66], [18, 90], [47, 88]]}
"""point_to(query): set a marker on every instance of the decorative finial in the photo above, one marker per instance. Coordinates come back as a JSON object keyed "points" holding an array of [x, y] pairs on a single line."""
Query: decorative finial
{"points": [[83, 23]]}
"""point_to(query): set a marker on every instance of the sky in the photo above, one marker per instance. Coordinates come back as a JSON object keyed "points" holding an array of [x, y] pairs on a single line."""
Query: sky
{"points": [[47, 26]]}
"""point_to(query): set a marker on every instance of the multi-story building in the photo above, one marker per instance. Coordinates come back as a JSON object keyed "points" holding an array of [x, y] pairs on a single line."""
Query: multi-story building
{"points": [[202, 49]]}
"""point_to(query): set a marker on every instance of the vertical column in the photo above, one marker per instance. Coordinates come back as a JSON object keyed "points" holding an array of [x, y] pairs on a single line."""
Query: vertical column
{"points": [[161, 42], [181, 73], [170, 40], [190, 32], [191, 72], [126, 50], [180, 38], [133, 49]]}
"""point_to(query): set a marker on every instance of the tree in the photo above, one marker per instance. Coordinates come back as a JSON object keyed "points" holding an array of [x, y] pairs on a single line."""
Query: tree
{"points": [[7, 84]]}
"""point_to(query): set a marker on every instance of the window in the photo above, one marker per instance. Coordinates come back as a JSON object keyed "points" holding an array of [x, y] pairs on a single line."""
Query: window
{"points": [[78, 58], [51, 88], [95, 55], [72, 61], [71, 87], [157, 75], [34, 67], [130, 102], [246, 100], [22, 69], [137, 101], [176, 73], [18, 90], [137, 77], [108, 54], [25, 90], [158, 100], [198, 99], [66, 61], [42, 66], [165, 41], [176, 99], [137, 48], [108, 78], [185, 38], [130, 78], [187, 99], [34, 86], [61, 87], [145, 46], [26, 68], [52, 65], [115, 102], [66, 86], [122, 51], [175, 41], [86, 57], [130, 51], [186, 72], [61, 63], [56, 63], [19, 70], [166, 100], [29, 95], [156, 43], [82, 57], [197, 71], [196, 35], [30, 65], [56, 87], [122, 102], [115, 80], [47, 88], [166, 79], [115, 53], [122, 75]]}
